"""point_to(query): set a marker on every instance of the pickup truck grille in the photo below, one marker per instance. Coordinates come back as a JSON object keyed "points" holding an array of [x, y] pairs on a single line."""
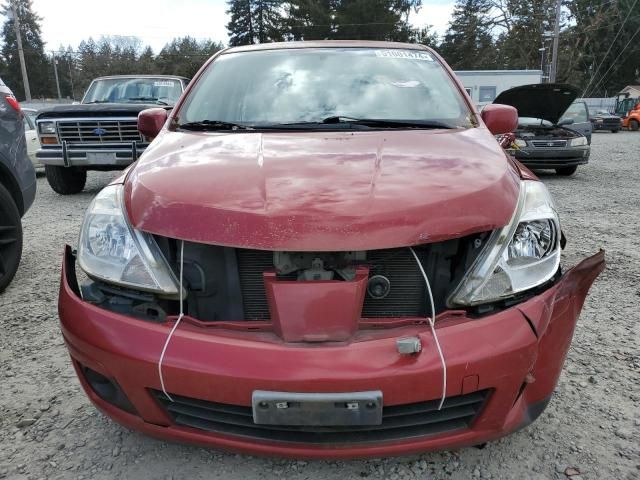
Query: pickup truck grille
{"points": [[99, 131]]}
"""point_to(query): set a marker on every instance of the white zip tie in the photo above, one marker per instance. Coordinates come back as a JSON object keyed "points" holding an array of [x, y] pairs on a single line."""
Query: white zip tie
{"points": [[166, 343], [433, 328]]}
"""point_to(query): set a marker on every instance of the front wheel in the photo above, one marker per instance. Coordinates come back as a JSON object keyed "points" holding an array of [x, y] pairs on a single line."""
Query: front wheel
{"points": [[10, 238], [634, 125], [65, 180], [566, 171]]}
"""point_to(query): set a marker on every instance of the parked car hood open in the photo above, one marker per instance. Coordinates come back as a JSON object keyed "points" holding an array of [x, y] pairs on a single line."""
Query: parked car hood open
{"points": [[322, 191], [547, 101]]}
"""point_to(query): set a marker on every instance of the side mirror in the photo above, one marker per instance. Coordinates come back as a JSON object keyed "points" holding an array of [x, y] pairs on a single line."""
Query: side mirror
{"points": [[566, 121], [151, 121], [500, 119]]}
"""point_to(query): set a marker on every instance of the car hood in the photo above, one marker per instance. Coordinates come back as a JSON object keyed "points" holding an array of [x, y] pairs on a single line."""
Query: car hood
{"points": [[322, 191], [95, 109], [547, 101]]}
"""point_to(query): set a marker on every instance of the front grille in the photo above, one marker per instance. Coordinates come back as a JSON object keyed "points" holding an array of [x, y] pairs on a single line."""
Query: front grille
{"points": [[399, 422], [99, 131], [549, 143]]}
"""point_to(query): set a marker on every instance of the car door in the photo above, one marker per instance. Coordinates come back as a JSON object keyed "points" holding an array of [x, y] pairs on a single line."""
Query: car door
{"points": [[31, 136], [578, 114]]}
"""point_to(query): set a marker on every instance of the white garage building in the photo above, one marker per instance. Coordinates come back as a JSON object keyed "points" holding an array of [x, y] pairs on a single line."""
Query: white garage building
{"points": [[483, 86]]}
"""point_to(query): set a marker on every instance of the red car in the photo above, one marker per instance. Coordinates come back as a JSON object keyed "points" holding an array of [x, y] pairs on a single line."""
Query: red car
{"points": [[323, 253]]}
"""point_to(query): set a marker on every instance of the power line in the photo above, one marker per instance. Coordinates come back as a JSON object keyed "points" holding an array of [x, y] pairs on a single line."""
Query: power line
{"points": [[609, 49], [615, 60]]}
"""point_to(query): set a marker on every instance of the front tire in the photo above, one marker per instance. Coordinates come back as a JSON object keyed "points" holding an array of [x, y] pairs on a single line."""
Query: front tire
{"points": [[634, 125], [10, 238], [615, 131], [566, 171], [66, 180]]}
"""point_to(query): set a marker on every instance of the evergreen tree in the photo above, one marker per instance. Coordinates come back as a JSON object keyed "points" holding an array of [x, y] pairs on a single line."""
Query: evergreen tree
{"points": [[311, 19], [39, 67], [146, 62], [374, 19], [184, 56], [468, 44], [255, 21]]}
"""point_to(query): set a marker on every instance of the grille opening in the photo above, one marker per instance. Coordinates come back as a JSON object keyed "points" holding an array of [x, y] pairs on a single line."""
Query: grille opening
{"points": [[399, 422], [226, 284], [99, 131]]}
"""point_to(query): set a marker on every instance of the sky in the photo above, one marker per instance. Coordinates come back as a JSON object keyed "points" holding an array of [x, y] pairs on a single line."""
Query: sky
{"points": [[156, 22]]}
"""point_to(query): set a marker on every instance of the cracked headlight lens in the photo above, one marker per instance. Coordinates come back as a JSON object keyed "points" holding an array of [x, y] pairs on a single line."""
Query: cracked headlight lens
{"points": [[111, 250], [518, 257]]}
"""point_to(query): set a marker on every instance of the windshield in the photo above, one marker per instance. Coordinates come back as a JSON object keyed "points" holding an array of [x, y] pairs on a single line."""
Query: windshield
{"points": [[316, 84], [163, 91]]}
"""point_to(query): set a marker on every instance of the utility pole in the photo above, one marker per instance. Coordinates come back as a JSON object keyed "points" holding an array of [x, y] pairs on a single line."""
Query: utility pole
{"points": [[73, 93], [23, 66], [556, 39], [55, 71]]}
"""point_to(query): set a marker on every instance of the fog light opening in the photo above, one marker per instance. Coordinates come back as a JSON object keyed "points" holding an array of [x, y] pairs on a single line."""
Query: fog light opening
{"points": [[107, 390]]}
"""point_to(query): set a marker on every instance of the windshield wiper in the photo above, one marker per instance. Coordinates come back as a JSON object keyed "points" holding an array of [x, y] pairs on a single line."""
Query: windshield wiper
{"points": [[387, 123], [148, 99], [344, 122], [213, 125], [98, 101]]}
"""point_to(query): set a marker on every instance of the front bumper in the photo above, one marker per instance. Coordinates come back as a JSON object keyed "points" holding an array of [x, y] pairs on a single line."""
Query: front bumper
{"points": [[90, 156], [552, 157], [515, 355]]}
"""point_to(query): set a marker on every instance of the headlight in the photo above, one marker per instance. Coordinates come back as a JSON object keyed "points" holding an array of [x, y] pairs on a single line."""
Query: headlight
{"points": [[47, 128], [520, 256], [113, 251], [578, 142], [520, 143]]}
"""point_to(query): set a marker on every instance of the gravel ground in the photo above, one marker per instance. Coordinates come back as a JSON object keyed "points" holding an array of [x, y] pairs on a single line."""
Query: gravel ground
{"points": [[48, 428]]}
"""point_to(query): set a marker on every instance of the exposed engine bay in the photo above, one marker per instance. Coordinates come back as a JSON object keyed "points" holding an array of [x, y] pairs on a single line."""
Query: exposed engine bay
{"points": [[318, 265], [545, 132], [227, 284]]}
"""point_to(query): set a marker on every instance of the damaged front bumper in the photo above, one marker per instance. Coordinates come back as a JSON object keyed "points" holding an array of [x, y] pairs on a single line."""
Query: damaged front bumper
{"points": [[501, 368]]}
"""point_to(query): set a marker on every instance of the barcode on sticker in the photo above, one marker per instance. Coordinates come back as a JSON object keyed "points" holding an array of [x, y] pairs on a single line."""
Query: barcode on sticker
{"points": [[408, 54]]}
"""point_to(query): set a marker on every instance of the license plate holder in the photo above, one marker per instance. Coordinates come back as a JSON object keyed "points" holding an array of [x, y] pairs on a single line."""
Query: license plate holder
{"points": [[317, 409], [101, 158]]}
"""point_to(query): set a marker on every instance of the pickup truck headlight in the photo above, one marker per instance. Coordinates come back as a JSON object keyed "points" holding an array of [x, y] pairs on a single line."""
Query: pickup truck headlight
{"points": [[47, 128], [113, 251], [578, 142], [518, 257]]}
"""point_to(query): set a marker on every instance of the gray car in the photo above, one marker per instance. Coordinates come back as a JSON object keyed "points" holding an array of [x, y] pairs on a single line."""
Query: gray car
{"points": [[17, 184], [553, 131]]}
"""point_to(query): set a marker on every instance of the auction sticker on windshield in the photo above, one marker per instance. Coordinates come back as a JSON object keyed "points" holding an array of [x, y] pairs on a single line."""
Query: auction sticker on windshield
{"points": [[408, 54]]}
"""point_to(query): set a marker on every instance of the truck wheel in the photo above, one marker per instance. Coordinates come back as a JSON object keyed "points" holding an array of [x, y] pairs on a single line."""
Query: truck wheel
{"points": [[566, 171], [65, 180], [634, 125], [615, 131], [10, 238]]}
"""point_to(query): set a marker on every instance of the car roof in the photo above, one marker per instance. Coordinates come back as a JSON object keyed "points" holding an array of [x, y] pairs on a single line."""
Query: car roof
{"points": [[327, 44]]}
